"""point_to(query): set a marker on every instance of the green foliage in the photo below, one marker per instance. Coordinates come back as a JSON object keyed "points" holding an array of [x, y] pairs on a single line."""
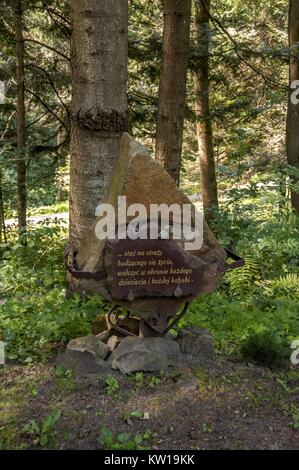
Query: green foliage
{"points": [[295, 418], [123, 441], [36, 318], [65, 377], [154, 381], [139, 380], [266, 347], [112, 386], [241, 281], [43, 434], [264, 294], [128, 415], [35, 315]]}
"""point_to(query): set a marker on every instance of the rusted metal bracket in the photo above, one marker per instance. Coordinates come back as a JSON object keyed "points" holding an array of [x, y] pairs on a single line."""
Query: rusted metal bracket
{"points": [[114, 325], [238, 261], [177, 318]]}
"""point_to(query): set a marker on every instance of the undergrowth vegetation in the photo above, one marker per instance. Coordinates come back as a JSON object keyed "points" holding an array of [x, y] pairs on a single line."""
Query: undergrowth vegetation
{"points": [[253, 314], [257, 306]]}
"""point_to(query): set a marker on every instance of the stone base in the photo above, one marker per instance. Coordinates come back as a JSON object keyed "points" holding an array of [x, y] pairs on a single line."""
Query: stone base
{"points": [[107, 353], [149, 354], [197, 342]]}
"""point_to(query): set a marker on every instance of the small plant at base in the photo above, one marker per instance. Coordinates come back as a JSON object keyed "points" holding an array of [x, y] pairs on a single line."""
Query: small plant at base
{"points": [[112, 386], [154, 381], [122, 441], [128, 415], [207, 428], [43, 434], [139, 380], [295, 418]]}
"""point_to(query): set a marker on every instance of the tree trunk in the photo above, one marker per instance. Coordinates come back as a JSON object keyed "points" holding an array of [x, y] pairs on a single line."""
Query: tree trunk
{"points": [[292, 127], [172, 91], [60, 163], [2, 215], [21, 128], [202, 109], [99, 104]]}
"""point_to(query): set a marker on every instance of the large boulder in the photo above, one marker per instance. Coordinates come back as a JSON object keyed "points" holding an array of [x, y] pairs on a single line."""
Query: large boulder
{"points": [[82, 363], [143, 181], [150, 354]]}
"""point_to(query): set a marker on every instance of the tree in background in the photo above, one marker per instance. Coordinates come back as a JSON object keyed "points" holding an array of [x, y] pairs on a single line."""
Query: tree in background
{"points": [[45, 48], [21, 124], [99, 103], [292, 129], [172, 90], [202, 108], [249, 64]]}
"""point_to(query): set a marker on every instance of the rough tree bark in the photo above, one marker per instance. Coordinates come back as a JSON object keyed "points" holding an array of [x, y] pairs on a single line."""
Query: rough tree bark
{"points": [[202, 109], [2, 216], [60, 163], [21, 128], [99, 103], [292, 127], [172, 90]]}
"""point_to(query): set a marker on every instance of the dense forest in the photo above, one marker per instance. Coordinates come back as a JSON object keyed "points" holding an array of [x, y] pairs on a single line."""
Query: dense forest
{"points": [[211, 89]]}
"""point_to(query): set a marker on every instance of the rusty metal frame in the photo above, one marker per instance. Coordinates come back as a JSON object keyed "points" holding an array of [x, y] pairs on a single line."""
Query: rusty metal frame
{"points": [[238, 261], [174, 322], [114, 325]]}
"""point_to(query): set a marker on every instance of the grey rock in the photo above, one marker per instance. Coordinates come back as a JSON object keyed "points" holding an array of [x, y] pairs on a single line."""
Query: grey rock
{"points": [[190, 385], [149, 354], [82, 363], [91, 344], [103, 336], [196, 341]]}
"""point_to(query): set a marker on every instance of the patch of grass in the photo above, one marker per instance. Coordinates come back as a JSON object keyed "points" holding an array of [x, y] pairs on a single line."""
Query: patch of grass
{"points": [[205, 381], [295, 418], [58, 207], [267, 348], [35, 315], [43, 434], [8, 436], [122, 441], [66, 378]]}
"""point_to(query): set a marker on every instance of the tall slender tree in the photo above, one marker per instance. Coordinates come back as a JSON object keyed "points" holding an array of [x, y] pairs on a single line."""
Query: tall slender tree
{"points": [[202, 108], [99, 54], [292, 127], [21, 126], [172, 90], [2, 217]]}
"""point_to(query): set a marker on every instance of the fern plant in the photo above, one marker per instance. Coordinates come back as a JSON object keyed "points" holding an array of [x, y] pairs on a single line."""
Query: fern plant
{"points": [[242, 280], [288, 281]]}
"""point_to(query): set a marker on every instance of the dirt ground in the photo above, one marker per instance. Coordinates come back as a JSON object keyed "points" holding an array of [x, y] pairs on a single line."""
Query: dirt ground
{"points": [[223, 405]]}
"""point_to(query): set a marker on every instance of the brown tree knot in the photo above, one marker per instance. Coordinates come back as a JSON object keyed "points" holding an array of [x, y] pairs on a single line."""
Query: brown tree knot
{"points": [[95, 119]]}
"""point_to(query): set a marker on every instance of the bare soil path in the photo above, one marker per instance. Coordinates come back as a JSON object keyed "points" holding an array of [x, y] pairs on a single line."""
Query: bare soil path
{"points": [[227, 405]]}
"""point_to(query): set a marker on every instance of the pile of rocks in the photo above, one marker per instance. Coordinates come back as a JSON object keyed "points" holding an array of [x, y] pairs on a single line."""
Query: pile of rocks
{"points": [[109, 351]]}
